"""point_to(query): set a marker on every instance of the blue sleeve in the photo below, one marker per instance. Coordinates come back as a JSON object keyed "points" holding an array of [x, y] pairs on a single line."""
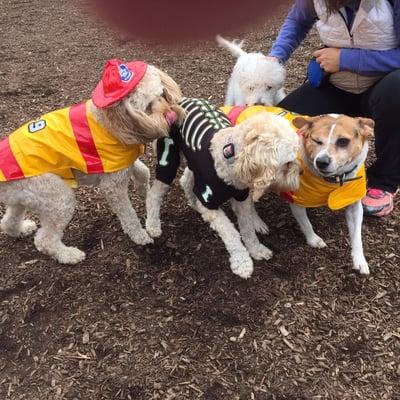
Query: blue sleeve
{"points": [[369, 62], [295, 28], [372, 62]]}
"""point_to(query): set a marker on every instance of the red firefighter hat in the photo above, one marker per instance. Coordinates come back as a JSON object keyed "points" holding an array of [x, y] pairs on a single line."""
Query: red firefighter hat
{"points": [[118, 80]]}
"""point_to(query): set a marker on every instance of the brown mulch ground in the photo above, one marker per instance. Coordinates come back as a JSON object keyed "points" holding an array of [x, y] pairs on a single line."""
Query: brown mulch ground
{"points": [[170, 321]]}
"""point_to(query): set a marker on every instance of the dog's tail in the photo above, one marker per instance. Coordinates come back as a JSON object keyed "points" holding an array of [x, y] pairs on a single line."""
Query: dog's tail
{"points": [[234, 47]]}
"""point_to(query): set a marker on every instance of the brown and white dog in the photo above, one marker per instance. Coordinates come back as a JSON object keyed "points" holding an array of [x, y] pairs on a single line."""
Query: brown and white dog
{"points": [[333, 151]]}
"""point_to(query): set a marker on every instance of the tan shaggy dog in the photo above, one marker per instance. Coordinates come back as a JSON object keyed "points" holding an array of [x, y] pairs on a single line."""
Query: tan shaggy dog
{"points": [[136, 104], [225, 163]]}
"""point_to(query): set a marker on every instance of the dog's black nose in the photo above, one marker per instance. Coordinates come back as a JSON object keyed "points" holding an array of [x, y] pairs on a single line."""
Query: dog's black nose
{"points": [[323, 162]]}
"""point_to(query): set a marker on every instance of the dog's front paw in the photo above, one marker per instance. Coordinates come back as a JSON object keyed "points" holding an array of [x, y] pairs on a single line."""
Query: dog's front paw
{"points": [[153, 229], [27, 227], [260, 226], [141, 237], [360, 264], [70, 255], [316, 242], [260, 252], [242, 265]]}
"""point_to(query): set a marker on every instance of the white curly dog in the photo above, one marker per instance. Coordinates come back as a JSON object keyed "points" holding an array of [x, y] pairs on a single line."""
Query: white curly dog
{"points": [[255, 79], [225, 164], [138, 114]]}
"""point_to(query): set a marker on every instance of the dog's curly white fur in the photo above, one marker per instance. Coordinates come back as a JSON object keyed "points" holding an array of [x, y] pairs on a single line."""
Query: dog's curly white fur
{"points": [[255, 79], [137, 118], [266, 148]]}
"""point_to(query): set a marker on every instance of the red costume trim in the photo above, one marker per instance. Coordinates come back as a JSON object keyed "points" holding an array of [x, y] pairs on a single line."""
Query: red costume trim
{"points": [[233, 114], [8, 163], [84, 139]]}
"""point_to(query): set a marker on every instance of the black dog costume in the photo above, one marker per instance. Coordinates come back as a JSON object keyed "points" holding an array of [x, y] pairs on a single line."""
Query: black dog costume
{"points": [[193, 139]]}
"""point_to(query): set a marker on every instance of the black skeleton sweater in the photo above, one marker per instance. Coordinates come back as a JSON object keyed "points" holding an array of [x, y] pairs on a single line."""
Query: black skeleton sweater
{"points": [[193, 139]]}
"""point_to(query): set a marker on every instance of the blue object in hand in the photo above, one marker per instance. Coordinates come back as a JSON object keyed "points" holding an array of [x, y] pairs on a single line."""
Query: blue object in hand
{"points": [[315, 74]]}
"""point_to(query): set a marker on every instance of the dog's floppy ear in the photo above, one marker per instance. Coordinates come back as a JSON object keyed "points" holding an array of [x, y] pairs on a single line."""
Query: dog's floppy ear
{"points": [[299, 122], [133, 126], [366, 127], [304, 124], [260, 185]]}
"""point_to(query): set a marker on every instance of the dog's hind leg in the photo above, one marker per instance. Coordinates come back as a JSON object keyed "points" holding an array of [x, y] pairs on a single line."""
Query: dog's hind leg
{"points": [[141, 177], [13, 222], [242, 210], [115, 189], [300, 214], [154, 200], [55, 204], [354, 217]]}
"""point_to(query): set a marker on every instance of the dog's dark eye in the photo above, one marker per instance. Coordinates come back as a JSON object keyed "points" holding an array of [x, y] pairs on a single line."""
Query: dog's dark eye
{"points": [[342, 142], [318, 142], [251, 88], [269, 87], [149, 108]]}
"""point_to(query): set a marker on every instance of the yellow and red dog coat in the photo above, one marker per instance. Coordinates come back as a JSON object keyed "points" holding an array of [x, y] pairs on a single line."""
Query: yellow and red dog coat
{"points": [[314, 191], [60, 142]]}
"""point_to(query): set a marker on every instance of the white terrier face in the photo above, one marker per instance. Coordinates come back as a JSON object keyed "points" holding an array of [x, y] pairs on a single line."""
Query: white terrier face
{"points": [[259, 78]]}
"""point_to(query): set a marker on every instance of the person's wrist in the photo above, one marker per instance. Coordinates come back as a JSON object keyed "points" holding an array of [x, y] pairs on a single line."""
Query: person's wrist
{"points": [[274, 58]]}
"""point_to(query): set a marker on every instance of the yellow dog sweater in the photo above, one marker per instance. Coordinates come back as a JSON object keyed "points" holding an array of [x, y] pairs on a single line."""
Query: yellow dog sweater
{"points": [[314, 191], [62, 141]]}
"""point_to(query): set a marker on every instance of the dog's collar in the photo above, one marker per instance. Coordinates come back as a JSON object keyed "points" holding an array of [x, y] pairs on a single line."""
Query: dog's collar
{"points": [[343, 178], [228, 151]]}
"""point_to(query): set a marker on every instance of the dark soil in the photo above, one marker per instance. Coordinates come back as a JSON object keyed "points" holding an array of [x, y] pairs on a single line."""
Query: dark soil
{"points": [[170, 321]]}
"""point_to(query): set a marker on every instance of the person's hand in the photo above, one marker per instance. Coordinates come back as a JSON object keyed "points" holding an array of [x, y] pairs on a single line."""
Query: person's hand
{"points": [[273, 58], [329, 59]]}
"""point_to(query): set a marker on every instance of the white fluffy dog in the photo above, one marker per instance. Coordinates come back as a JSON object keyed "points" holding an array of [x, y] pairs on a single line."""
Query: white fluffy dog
{"points": [[86, 144], [225, 163], [255, 79]]}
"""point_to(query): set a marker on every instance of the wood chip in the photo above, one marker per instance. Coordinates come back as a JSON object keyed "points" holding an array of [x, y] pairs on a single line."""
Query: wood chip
{"points": [[290, 345], [284, 332], [85, 338]]}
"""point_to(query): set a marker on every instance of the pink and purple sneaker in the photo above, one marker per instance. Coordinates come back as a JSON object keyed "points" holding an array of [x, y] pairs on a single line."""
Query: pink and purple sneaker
{"points": [[378, 202]]}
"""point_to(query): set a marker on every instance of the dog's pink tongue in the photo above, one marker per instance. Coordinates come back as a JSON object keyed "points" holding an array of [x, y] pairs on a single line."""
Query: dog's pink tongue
{"points": [[171, 117]]}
